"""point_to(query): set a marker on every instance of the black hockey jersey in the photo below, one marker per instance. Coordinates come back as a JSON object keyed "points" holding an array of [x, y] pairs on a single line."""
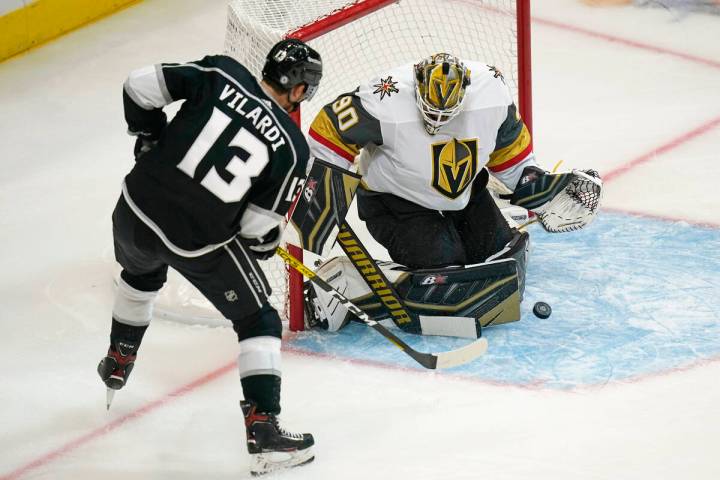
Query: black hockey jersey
{"points": [[229, 162]]}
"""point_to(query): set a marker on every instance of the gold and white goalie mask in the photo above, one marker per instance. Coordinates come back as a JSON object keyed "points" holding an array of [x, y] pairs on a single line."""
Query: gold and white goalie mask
{"points": [[440, 83]]}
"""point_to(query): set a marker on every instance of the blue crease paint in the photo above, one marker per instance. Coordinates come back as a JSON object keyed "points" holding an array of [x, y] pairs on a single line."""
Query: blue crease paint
{"points": [[631, 297]]}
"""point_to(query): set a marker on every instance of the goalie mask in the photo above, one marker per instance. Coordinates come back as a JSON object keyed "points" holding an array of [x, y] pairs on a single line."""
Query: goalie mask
{"points": [[440, 83]]}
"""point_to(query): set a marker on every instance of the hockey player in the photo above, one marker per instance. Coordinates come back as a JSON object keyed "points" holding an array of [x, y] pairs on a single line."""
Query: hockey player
{"points": [[426, 138], [207, 196]]}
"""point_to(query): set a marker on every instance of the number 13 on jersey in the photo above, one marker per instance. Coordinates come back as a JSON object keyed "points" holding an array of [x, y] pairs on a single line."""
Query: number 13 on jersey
{"points": [[243, 171]]}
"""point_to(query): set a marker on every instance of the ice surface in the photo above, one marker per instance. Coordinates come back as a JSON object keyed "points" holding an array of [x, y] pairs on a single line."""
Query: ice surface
{"points": [[619, 383]]}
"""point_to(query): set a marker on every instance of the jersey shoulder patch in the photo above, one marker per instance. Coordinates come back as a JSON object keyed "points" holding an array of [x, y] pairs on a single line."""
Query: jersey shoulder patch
{"points": [[488, 87], [345, 126], [390, 96]]}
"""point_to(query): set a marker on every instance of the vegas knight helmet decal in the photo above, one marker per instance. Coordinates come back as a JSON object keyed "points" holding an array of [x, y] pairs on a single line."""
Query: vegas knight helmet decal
{"points": [[440, 83]]}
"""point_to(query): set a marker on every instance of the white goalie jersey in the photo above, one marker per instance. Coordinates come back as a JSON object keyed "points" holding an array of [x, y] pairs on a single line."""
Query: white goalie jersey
{"points": [[381, 120]]}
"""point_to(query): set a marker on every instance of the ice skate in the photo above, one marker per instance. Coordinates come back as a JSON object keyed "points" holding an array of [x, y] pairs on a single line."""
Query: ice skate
{"points": [[115, 368], [272, 448]]}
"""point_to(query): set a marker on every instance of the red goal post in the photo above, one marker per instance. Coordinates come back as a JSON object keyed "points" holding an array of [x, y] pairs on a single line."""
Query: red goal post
{"points": [[358, 39]]}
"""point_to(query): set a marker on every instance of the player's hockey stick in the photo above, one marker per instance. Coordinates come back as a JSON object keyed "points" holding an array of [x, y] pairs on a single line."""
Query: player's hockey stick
{"points": [[446, 359]]}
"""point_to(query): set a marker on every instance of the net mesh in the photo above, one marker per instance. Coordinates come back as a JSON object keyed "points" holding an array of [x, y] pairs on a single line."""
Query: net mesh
{"points": [[398, 33]]}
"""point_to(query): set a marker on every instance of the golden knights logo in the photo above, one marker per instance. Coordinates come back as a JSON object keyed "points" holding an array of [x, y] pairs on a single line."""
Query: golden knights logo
{"points": [[454, 166]]}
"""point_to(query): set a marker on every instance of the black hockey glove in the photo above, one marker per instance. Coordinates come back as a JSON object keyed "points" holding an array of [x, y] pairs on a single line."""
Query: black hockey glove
{"points": [[147, 125], [147, 139], [264, 247], [142, 146]]}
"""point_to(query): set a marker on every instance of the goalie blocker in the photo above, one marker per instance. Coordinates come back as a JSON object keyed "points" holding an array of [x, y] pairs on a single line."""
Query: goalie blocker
{"points": [[489, 292]]}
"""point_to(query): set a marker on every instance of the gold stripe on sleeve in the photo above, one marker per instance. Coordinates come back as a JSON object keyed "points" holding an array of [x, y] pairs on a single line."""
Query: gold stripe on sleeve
{"points": [[323, 126], [507, 154]]}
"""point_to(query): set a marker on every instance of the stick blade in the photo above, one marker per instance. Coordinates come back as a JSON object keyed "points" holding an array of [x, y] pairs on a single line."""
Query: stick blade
{"points": [[463, 355], [449, 326]]}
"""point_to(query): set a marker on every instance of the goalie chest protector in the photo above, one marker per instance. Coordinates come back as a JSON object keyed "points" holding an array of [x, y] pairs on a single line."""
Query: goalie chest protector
{"points": [[434, 171]]}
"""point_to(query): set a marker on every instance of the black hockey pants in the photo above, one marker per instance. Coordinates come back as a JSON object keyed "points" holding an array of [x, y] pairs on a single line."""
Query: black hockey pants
{"points": [[421, 238], [229, 277]]}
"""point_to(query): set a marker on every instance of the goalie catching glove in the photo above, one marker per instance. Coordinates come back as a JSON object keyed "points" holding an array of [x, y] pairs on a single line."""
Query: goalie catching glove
{"points": [[563, 202]]}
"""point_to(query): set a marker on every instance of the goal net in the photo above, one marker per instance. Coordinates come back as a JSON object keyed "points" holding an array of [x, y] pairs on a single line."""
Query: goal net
{"points": [[357, 40]]}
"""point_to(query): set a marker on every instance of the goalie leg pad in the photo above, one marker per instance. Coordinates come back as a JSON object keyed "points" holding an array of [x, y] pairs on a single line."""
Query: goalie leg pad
{"points": [[324, 310], [486, 291]]}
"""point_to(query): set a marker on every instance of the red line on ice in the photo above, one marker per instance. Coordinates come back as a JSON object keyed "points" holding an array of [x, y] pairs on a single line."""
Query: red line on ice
{"points": [[627, 42], [702, 129], [99, 432], [696, 223], [654, 153]]}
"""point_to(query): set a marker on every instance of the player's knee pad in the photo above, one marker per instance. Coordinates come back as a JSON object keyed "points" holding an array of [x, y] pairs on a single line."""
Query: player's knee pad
{"points": [[132, 306], [259, 341], [263, 323], [259, 356]]}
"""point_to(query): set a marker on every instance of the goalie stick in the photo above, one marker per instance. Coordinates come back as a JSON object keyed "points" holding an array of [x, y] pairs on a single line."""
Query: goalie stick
{"points": [[447, 359]]}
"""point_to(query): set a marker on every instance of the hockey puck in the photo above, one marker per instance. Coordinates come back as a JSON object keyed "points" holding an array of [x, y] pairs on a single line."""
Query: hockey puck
{"points": [[542, 310]]}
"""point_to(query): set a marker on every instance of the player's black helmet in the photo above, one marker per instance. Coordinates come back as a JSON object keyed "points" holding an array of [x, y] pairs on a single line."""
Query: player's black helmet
{"points": [[291, 62]]}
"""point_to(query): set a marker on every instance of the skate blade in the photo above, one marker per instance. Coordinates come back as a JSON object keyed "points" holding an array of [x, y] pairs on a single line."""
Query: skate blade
{"points": [[263, 463], [109, 395]]}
